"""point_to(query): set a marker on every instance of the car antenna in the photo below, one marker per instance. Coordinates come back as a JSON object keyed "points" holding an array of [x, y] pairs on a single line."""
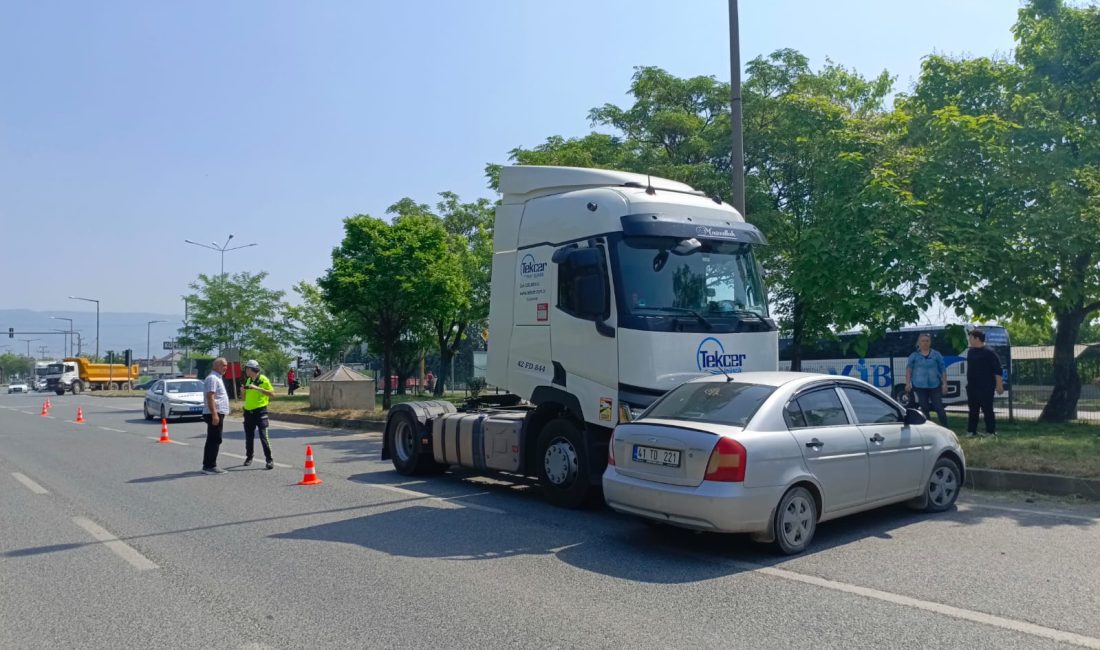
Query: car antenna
{"points": [[729, 377], [649, 185]]}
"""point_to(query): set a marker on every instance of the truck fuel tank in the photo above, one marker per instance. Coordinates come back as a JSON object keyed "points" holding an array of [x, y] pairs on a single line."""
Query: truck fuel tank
{"points": [[491, 440]]}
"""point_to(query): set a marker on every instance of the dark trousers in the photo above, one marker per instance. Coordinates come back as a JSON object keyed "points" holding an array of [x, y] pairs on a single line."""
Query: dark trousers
{"points": [[213, 441], [982, 399], [256, 419], [932, 399]]}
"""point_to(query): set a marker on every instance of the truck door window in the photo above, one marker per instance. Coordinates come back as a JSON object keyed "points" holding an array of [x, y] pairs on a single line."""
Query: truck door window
{"points": [[582, 280]]}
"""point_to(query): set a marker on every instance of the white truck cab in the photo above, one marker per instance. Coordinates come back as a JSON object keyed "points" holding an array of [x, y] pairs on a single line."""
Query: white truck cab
{"points": [[608, 289]]}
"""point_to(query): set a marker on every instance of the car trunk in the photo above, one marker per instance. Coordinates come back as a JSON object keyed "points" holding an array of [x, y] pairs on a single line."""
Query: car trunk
{"points": [[661, 452]]}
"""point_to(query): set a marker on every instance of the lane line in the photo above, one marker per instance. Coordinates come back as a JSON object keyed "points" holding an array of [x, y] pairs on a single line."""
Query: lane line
{"points": [[1013, 625], [450, 500], [110, 429], [117, 546], [29, 484], [1041, 513], [174, 442], [232, 455], [119, 408]]}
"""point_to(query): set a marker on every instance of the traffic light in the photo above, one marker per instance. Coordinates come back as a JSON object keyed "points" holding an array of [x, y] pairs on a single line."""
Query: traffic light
{"points": [[11, 332], [129, 357]]}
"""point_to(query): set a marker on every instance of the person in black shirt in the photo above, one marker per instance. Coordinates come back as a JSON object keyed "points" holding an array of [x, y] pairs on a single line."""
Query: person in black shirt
{"points": [[983, 376]]}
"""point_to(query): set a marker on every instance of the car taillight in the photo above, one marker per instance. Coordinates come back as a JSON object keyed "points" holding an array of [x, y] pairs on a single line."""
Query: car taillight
{"points": [[727, 462], [611, 451]]}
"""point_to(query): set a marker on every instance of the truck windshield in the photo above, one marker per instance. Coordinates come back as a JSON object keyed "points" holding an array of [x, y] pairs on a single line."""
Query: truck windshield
{"points": [[717, 279], [55, 369]]}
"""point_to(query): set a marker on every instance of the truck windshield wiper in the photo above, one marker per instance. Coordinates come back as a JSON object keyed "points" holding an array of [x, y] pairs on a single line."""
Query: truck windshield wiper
{"points": [[682, 310], [748, 312]]}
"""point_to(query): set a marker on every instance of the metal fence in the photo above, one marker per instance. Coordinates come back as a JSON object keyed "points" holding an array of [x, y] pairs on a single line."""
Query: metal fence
{"points": [[1032, 380]]}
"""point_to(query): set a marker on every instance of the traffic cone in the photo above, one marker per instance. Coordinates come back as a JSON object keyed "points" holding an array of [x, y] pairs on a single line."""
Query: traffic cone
{"points": [[45, 409], [310, 477], [48, 404], [79, 415], [164, 431]]}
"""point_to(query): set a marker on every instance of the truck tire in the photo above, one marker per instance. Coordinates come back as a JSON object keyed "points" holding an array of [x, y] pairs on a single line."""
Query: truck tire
{"points": [[78, 387], [124, 386], [112, 386], [403, 432], [59, 390], [563, 464]]}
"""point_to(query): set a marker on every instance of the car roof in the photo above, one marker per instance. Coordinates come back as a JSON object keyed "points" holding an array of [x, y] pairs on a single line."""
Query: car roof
{"points": [[781, 378]]}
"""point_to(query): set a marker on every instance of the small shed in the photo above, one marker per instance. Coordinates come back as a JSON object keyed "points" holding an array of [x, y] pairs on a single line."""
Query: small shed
{"points": [[342, 388]]}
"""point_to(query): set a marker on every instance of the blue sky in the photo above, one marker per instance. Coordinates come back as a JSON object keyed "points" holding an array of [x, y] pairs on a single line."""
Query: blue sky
{"points": [[128, 126]]}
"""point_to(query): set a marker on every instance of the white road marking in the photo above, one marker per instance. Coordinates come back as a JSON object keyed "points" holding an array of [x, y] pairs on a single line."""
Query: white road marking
{"points": [[1042, 513], [117, 546], [29, 484], [938, 608], [451, 500], [110, 429], [226, 453], [119, 408], [174, 442]]}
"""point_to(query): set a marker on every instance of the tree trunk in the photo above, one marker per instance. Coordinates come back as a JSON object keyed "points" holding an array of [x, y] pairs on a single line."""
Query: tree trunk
{"points": [[447, 351], [798, 327], [1062, 405], [387, 366]]}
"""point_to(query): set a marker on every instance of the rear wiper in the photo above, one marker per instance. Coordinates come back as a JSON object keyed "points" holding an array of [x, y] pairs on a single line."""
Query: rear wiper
{"points": [[682, 310]]}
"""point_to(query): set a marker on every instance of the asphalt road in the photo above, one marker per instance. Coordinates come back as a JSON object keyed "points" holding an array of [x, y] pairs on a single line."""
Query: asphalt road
{"points": [[110, 540]]}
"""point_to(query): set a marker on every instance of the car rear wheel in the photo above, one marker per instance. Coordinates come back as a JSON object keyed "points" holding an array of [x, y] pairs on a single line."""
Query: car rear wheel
{"points": [[795, 521], [563, 464], [943, 485]]}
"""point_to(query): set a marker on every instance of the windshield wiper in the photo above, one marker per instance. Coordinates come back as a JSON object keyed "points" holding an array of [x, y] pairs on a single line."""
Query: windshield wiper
{"points": [[682, 310], [748, 312]]}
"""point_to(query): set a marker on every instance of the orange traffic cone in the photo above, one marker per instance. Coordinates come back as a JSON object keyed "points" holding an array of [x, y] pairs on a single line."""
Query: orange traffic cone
{"points": [[164, 431], [310, 477], [48, 404], [45, 409], [79, 415]]}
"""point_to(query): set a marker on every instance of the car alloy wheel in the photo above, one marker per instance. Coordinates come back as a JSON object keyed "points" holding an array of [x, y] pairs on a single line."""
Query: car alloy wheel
{"points": [[795, 520]]}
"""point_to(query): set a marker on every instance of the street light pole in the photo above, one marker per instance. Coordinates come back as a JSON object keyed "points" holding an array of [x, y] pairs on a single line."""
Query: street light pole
{"points": [[70, 331], [28, 342], [147, 327], [96, 320], [221, 249], [737, 152]]}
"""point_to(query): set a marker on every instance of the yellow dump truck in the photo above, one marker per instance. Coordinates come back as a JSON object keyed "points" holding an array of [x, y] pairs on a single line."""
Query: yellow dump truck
{"points": [[77, 374]]}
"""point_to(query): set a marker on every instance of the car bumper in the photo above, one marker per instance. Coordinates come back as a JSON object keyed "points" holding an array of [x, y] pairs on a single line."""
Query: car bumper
{"points": [[179, 410], [713, 506]]}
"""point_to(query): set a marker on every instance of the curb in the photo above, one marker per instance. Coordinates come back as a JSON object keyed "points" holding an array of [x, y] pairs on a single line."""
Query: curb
{"points": [[976, 477], [374, 426], [1000, 480]]}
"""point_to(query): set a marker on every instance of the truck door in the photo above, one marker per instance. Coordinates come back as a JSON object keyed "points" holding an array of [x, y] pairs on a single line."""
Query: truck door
{"points": [[583, 344]]}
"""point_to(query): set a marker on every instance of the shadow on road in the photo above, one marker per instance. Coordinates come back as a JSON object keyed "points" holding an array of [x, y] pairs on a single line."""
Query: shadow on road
{"points": [[166, 477]]}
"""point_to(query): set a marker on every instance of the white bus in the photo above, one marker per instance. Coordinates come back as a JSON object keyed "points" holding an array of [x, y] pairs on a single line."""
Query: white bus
{"points": [[884, 364]]}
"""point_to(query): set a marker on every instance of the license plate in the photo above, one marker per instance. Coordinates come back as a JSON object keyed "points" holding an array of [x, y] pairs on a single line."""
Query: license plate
{"points": [[656, 456], [196, 409]]}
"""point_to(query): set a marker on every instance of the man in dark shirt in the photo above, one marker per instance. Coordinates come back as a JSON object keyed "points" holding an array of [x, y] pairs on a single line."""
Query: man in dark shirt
{"points": [[983, 376]]}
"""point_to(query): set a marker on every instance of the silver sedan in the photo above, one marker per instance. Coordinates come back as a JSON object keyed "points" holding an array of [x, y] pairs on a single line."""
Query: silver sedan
{"points": [[173, 398], [775, 453]]}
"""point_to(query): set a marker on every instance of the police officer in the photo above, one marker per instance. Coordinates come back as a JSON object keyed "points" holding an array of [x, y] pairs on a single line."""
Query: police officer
{"points": [[257, 393]]}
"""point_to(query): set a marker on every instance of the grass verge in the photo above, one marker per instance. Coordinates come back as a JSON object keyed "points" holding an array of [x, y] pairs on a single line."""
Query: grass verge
{"points": [[1068, 449]]}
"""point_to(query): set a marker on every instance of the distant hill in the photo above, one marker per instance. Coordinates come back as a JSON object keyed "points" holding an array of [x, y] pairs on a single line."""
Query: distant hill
{"points": [[117, 330]]}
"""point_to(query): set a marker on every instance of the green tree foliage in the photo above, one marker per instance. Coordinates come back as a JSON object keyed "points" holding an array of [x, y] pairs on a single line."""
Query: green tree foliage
{"points": [[1010, 170], [235, 312], [386, 278], [15, 364], [826, 180], [470, 228], [317, 329]]}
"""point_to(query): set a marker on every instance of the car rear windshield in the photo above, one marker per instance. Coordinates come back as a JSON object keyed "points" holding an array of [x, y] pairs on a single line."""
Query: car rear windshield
{"points": [[185, 387], [731, 403]]}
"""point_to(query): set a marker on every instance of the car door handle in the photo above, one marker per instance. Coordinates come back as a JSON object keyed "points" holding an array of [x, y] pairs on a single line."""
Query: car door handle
{"points": [[877, 438], [815, 443]]}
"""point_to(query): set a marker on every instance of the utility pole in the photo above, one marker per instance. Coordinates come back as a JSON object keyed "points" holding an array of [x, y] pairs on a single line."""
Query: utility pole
{"points": [[42, 351], [96, 320], [737, 153], [70, 331], [28, 342], [147, 350]]}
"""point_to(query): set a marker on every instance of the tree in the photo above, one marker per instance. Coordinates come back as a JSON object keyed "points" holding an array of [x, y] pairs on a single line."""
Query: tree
{"points": [[1010, 172], [14, 364], [324, 334], [385, 278], [234, 312], [826, 180], [470, 227]]}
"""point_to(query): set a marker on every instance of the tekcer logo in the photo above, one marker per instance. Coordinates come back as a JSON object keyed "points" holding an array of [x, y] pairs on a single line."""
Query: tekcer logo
{"points": [[711, 357], [530, 266]]}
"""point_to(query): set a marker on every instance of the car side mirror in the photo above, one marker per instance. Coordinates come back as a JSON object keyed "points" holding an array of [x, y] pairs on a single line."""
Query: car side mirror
{"points": [[914, 416]]}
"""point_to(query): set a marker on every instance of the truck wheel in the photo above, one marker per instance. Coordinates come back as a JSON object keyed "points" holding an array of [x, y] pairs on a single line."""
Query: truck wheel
{"points": [[124, 386], [563, 464], [112, 386], [404, 438], [78, 388], [59, 391]]}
